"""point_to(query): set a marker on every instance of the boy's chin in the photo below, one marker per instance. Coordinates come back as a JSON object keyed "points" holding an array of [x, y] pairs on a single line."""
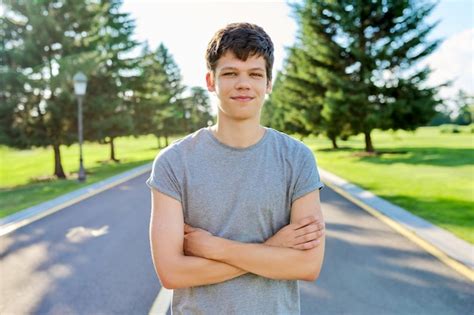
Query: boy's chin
{"points": [[241, 115]]}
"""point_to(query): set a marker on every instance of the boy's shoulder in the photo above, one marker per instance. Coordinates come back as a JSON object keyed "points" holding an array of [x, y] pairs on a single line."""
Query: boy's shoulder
{"points": [[290, 143], [181, 145], [289, 146]]}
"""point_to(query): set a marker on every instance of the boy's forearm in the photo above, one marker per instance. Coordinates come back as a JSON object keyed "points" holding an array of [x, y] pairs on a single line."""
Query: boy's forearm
{"points": [[190, 271], [271, 262]]}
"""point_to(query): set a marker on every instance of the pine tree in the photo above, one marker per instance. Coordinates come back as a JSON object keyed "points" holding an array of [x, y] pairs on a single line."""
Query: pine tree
{"points": [[43, 44], [173, 115], [356, 65], [107, 113], [197, 109], [465, 108], [148, 95], [156, 95]]}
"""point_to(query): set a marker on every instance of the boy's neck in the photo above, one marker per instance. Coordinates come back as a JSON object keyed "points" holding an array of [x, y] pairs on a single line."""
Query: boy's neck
{"points": [[238, 134]]}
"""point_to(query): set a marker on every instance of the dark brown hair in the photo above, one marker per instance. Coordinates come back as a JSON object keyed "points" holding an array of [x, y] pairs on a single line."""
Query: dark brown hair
{"points": [[243, 40]]}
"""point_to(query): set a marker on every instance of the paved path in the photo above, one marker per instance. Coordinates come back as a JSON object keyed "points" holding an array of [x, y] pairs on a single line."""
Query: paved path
{"points": [[93, 258], [90, 258], [371, 269]]}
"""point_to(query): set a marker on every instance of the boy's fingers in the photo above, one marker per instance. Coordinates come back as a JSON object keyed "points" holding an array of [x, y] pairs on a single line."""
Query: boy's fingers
{"points": [[308, 245], [188, 228], [307, 230], [309, 237], [304, 222]]}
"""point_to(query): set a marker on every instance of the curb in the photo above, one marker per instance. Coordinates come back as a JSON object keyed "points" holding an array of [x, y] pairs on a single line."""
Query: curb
{"points": [[34, 213], [448, 248]]}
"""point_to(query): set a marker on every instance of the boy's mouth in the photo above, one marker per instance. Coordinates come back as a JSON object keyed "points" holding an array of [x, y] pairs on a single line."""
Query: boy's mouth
{"points": [[242, 98]]}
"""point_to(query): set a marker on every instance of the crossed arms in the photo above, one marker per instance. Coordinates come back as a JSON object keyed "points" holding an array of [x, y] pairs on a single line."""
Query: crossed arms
{"points": [[185, 256]]}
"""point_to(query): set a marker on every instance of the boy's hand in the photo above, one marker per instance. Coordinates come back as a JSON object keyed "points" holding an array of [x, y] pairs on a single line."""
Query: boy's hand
{"points": [[198, 242], [304, 234]]}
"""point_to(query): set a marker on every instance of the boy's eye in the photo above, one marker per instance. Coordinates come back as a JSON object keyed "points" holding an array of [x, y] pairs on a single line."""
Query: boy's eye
{"points": [[259, 75], [229, 73]]}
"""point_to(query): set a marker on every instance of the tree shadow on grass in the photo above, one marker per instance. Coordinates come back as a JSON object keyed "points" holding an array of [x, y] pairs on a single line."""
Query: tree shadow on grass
{"points": [[448, 213], [433, 156], [102, 170]]}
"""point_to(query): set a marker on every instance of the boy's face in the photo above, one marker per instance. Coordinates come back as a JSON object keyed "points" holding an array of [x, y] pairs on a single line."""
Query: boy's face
{"points": [[240, 86]]}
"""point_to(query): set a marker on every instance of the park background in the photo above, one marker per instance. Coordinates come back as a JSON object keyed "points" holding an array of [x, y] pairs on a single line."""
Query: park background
{"points": [[146, 88]]}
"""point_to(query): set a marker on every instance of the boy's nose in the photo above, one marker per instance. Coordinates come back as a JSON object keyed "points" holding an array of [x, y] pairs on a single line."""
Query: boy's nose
{"points": [[242, 83]]}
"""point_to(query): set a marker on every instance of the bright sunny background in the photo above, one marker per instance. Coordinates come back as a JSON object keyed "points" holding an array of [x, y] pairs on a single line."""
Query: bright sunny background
{"points": [[185, 27]]}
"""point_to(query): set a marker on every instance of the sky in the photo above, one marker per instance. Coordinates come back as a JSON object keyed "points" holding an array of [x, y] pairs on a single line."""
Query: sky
{"points": [[185, 28]]}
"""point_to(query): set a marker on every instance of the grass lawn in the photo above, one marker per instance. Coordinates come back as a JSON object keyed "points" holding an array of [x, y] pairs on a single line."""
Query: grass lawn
{"points": [[427, 172], [25, 175]]}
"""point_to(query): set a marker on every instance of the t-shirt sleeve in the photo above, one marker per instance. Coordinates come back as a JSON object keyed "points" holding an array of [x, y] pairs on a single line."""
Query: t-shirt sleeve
{"points": [[307, 179], [164, 177]]}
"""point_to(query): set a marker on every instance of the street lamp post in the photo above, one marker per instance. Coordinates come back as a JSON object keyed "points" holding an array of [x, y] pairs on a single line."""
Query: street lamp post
{"points": [[80, 85]]}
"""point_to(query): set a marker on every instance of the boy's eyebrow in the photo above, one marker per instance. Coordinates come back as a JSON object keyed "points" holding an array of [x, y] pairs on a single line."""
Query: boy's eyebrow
{"points": [[252, 69]]}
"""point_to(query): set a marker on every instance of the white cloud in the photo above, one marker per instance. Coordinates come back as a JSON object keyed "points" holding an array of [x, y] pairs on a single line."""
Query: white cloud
{"points": [[454, 60]]}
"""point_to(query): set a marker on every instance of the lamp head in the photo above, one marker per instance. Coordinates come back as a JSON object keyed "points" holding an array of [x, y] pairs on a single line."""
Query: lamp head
{"points": [[80, 84]]}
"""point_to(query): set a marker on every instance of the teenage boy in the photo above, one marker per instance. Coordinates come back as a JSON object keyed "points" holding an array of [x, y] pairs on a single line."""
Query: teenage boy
{"points": [[236, 217]]}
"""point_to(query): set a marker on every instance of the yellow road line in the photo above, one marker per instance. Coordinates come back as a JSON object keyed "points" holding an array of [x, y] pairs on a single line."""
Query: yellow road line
{"points": [[455, 265]]}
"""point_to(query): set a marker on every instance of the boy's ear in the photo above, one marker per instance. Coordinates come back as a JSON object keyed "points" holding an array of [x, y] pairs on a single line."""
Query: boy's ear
{"points": [[269, 87], [211, 86]]}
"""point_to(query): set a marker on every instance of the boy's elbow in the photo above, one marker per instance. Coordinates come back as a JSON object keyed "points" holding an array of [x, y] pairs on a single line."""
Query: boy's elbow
{"points": [[312, 275], [167, 275], [313, 264], [170, 282]]}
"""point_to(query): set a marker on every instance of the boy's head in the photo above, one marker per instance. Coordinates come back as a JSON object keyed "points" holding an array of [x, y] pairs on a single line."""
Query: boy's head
{"points": [[243, 40]]}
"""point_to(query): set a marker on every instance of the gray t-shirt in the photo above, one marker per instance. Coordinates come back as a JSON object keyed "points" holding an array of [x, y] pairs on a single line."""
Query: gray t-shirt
{"points": [[238, 194]]}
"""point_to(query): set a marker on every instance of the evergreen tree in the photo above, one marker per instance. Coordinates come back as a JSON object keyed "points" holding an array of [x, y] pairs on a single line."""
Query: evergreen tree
{"points": [[355, 65], [148, 94], [156, 95], [465, 108], [173, 115], [284, 109], [107, 113], [442, 116], [43, 44], [197, 109]]}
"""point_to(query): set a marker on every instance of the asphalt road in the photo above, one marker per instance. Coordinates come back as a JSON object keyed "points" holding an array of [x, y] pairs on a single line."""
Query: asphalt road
{"points": [[93, 258]]}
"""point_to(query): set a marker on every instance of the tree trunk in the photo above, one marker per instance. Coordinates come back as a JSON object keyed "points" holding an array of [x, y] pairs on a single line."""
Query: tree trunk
{"points": [[368, 142], [166, 140], [112, 150], [334, 143], [158, 138], [58, 167]]}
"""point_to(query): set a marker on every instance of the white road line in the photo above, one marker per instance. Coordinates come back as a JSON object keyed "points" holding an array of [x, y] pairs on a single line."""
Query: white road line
{"points": [[162, 302]]}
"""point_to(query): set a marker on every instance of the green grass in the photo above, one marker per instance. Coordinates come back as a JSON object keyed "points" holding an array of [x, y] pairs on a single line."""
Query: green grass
{"points": [[26, 175], [427, 172]]}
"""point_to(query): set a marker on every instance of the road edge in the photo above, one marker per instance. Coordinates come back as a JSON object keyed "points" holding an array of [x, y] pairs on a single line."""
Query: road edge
{"points": [[29, 215], [445, 246]]}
